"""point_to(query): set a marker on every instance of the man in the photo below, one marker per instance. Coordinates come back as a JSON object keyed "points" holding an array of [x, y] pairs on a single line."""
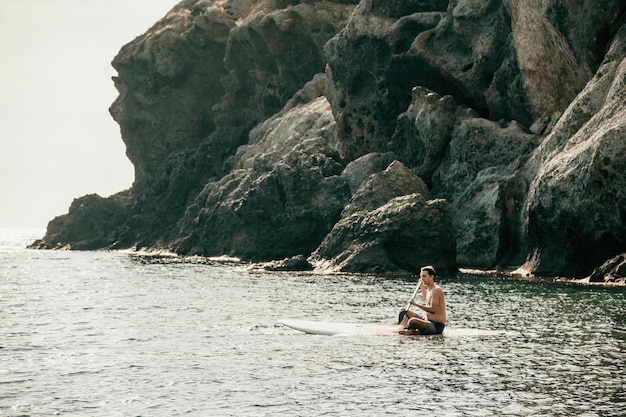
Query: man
{"points": [[434, 306]]}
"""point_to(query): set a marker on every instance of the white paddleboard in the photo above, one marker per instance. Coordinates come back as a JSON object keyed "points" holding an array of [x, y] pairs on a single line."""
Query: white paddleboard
{"points": [[334, 328]]}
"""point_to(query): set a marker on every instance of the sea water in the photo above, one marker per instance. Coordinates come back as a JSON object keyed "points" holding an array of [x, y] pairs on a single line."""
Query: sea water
{"points": [[119, 334]]}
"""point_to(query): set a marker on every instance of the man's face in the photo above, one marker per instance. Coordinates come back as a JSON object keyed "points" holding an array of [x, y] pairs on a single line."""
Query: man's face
{"points": [[426, 277]]}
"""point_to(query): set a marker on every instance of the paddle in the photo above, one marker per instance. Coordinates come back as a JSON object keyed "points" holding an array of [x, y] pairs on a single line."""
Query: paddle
{"points": [[403, 313]]}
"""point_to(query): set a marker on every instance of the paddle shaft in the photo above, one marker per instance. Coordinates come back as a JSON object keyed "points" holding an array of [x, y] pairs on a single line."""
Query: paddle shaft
{"points": [[414, 294], [408, 306]]}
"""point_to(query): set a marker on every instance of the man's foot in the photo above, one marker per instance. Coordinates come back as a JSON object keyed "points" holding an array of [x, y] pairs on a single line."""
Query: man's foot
{"points": [[409, 332]]}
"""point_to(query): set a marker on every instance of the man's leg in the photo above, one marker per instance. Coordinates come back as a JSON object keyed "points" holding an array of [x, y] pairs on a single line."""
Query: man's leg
{"points": [[422, 325], [406, 317]]}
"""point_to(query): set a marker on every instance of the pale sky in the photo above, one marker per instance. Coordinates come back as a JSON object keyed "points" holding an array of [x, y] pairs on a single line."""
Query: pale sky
{"points": [[57, 138]]}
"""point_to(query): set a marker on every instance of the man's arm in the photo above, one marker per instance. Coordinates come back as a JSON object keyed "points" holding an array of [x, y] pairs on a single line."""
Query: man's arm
{"points": [[435, 301], [426, 308]]}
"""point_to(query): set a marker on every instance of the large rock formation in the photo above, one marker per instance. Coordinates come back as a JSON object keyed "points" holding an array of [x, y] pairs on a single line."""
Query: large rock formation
{"points": [[283, 196], [576, 208], [373, 136]]}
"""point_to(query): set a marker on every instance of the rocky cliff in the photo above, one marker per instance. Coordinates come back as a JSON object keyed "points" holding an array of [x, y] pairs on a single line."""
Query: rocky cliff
{"points": [[373, 136]]}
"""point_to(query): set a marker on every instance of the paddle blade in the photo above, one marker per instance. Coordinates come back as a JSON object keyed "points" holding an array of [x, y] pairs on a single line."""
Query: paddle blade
{"points": [[401, 316]]}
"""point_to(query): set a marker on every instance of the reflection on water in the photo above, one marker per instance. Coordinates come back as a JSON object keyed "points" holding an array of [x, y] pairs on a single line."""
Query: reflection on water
{"points": [[110, 334]]}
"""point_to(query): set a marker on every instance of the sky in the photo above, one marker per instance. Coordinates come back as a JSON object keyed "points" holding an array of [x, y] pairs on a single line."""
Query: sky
{"points": [[58, 141]]}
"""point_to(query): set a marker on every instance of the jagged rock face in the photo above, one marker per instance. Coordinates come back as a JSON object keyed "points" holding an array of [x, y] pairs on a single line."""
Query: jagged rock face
{"points": [[504, 59], [283, 197], [269, 129], [424, 131], [577, 201], [369, 81], [513, 60], [211, 70], [478, 177], [194, 85], [270, 56], [168, 82]]}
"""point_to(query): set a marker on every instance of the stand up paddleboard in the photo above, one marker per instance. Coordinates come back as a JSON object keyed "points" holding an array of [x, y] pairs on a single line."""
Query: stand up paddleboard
{"points": [[334, 328]]}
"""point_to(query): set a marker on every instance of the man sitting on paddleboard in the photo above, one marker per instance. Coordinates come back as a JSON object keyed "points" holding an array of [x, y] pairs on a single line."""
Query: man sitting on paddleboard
{"points": [[434, 306]]}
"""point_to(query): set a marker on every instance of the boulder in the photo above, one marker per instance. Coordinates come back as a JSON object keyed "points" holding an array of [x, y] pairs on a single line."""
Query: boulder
{"points": [[362, 168], [396, 180], [612, 271], [295, 263], [389, 226], [403, 235], [93, 222]]}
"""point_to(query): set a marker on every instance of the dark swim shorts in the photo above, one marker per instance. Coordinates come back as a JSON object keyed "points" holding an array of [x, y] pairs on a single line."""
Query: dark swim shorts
{"points": [[434, 327]]}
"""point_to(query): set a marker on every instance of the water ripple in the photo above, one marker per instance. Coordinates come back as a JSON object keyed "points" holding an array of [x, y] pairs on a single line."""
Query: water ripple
{"points": [[108, 334]]}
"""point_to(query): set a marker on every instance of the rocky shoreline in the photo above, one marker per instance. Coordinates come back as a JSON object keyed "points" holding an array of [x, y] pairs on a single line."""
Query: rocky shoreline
{"points": [[373, 137]]}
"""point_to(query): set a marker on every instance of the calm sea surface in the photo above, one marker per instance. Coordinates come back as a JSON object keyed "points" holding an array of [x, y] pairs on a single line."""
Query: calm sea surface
{"points": [[115, 334]]}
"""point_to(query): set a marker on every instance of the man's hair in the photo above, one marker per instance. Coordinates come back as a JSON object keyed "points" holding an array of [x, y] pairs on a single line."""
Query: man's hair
{"points": [[429, 269]]}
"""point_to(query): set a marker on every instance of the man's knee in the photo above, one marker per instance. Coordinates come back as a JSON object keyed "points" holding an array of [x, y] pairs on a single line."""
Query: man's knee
{"points": [[413, 323]]}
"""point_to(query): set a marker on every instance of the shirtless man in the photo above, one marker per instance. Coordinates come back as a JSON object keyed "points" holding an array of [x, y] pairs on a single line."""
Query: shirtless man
{"points": [[434, 306]]}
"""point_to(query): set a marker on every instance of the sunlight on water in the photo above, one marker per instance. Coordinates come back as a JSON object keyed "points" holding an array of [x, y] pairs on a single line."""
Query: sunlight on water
{"points": [[112, 334]]}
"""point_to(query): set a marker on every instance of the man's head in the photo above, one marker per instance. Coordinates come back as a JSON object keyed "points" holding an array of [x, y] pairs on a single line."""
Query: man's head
{"points": [[427, 274]]}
